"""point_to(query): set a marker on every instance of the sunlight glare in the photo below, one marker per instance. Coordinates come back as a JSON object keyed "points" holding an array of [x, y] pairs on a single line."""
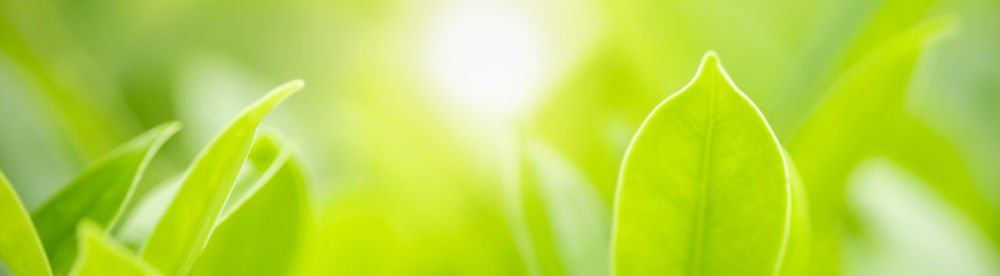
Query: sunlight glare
{"points": [[486, 55]]}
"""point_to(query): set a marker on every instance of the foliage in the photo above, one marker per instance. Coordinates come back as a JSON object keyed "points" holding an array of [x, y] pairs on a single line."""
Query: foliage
{"points": [[506, 137]]}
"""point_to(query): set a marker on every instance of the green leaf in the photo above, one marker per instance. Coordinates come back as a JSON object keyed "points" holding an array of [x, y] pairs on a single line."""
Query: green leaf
{"points": [[20, 248], [918, 148], [261, 235], [704, 188], [864, 105], [100, 255], [262, 156], [564, 214], [98, 194], [185, 226]]}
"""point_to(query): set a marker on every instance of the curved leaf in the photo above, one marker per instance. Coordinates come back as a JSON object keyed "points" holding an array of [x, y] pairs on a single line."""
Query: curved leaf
{"points": [[862, 110], [261, 235], [704, 187], [20, 248], [100, 255], [98, 194], [185, 226]]}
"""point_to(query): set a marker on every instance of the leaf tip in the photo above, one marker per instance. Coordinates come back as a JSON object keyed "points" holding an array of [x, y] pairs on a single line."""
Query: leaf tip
{"points": [[285, 90], [87, 229], [296, 84], [172, 127], [710, 57]]}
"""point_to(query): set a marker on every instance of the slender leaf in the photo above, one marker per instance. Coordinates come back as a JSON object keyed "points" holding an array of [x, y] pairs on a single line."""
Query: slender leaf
{"points": [[262, 156], [100, 255], [20, 248], [185, 226], [565, 214], [704, 188], [98, 194], [274, 217]]}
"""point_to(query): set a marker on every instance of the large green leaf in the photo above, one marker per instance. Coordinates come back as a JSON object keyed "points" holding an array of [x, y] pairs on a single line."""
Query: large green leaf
{"points": [[100, 255], [261, 235], [20, 248], [98, 194], [704, 188], [185, 226]]}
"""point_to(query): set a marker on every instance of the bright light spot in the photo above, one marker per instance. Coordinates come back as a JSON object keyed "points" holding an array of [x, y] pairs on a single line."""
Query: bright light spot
{"points": [[487, 55]]}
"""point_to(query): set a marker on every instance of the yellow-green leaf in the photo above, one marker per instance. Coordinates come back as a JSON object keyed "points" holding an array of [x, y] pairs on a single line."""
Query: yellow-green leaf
{"points": [[704, 187], [275, 217], [185, 226], [100, 255], [20, 248], [98, 194], [863, 109]]}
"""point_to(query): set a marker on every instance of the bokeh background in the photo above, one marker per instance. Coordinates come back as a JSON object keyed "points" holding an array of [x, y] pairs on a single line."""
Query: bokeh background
{"points": [[484, 137]]}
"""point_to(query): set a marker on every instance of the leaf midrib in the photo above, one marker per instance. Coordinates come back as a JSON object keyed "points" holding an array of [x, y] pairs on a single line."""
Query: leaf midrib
{"points": [[694, 267]]}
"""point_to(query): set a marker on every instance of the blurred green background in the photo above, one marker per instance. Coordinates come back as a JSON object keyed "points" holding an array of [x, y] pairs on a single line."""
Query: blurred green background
{"points": [[484, 137]]}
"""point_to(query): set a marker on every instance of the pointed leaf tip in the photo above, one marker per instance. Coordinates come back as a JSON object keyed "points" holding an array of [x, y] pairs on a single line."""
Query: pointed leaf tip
{"points": [[710, 61], [710, 57], [284, 90], [295, 84], [172, 127], [185, 226]]}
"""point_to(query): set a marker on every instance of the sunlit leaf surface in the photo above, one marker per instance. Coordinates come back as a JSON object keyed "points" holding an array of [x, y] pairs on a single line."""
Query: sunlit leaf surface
{"points": [[182, 231], [99, 255], [704, 188], [20, 248], [98, 195], [275, 216]]}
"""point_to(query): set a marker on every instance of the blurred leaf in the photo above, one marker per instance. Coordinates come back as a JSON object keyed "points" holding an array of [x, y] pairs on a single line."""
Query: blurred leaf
{"points": [[844, 34], [916, 147], [842, 131], [704, 188], [100, 255], [82, 108], [183, 229], [908, 228], [20, 248], [567, 219], [98, 194], [589, 119], [139, 223], [425, 195], [261, 236]]}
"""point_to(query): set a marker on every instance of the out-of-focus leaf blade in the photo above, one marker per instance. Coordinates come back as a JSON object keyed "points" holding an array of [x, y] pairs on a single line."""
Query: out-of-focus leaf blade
{"points": [[275, 217], [182, 231], [100, 255], [841, 132], [565, 215], [704, 187], [907, 228], [930, 156], [20, 248], [97, 194]]}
